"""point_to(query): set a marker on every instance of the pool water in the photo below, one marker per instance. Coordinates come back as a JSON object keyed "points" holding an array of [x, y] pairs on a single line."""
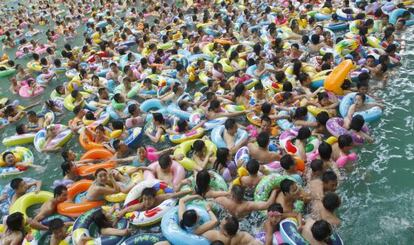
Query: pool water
{"points": [[377, 196]]}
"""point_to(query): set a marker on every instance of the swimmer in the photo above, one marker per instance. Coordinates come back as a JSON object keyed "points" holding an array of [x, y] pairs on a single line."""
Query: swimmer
{"points": [[260, 151]]}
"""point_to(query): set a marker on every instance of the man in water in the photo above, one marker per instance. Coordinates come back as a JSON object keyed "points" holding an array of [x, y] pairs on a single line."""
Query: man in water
{"points": [[319, 186], [228, 233], [290, 193], [317, 232], [229, 135], [260, 151], [238, 207], [50, 207]]}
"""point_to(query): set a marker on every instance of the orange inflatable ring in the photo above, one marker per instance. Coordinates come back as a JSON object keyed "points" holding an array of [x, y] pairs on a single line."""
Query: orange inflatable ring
{"points": [[86, 141], [300, 164], [337, 77], [96, 154], [222, 41], [71, 209]]}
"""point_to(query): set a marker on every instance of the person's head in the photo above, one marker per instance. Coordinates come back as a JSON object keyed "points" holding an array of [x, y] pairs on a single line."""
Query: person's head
{"points": [[230, 225], [222, 157], [331, 201], [198, 146], [230, 126], [321, 230], [322, 118], [300, 113], [265, 123], [31, 116], [68, 155], [253, 166], [202, 182], [165, 161], [158, 118], [360, 99], [237, 193], [317, 167], [288, 162], [148, 196], [289, 188], [21, 129], [303, 133], [189, 218], [329, 181], [100, 219], [15, 221], [18, 185], [67, 168], [263, 139], [357, 122], [325, 151], [182, 125], [101, 175], [9, 158], [274, 213], [60, 193], [345, 142], [57, 227], [363, 85]]}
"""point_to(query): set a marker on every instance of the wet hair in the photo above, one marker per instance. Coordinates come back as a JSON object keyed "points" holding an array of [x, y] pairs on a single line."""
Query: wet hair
{"points": [[198, 145], [56, 224], [300, 112], [31, 114], [65, 166], [325, 151], [357, 122], [90, 116], [316, 165], [266, 108], [15, 221], [232, 226], [321, 230], [182, 125], [287, 162], [132, 108], [217, 242], [252, 166], [238, 192], [239, 89], [214, 105], [221, 158], [344, 141], [14, 183], [331, 201], [149, 192], [164, 161], [287, 87], [303, 133], [329, 176], [315, 39], [202, 182], [229, 123], [100, 219], [189, 218], [20, 129], [59, 190], [263, 139], [100, 170], [118, 125], [275, 207], [322, 117], [285, 185], [158, 117]]}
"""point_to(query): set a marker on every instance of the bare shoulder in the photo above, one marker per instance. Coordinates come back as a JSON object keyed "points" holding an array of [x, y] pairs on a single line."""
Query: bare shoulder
{"points": [[244, 238]]}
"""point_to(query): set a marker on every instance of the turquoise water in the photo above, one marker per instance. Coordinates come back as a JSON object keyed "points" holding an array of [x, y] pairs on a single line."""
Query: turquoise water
{"points": [[377, 196]]}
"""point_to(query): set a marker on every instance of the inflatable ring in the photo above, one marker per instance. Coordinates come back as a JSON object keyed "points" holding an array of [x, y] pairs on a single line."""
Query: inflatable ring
{"points": [[135, 178], [371, 115], [72, 209], [180, 138], [143, 239], [173, 232], [19, 139], [285, 140], [64, 135], [83, 224], [335, 127], [96, 154], [152, 216], [217, 136], [29, 199], [185, 147]]}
